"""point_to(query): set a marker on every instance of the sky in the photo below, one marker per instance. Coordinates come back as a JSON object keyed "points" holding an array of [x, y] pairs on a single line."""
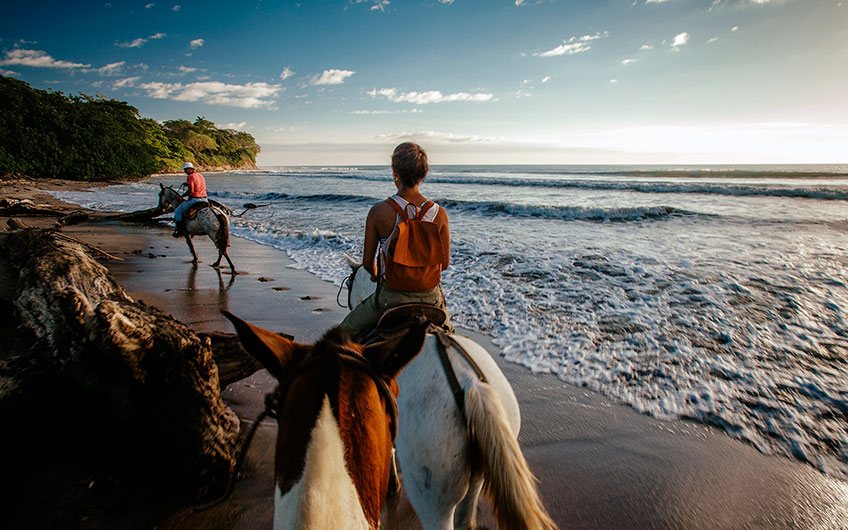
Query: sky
{"points": [[473, 81]]}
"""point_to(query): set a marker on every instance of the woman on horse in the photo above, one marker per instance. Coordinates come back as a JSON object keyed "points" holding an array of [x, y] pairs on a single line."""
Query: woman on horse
{"points": [[196, 192], [407, 246]]}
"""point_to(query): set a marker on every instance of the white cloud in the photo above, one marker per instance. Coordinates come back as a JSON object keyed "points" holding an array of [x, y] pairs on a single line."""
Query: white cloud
{"points": [[331, 77], [148, 6], [647, 47], [613, 81], [8, 73], [655, 1], [445, 1], [546, 79], [405, 111], [628, 61], [158, 35], [125, 82], [519, 3], [430, 96], [196, 43], [176, 8], [572, 46], [286, 73], [235, 126], [734, 28], [37, 59], [680, 40], [712, 40], [187, 69], [135, 43], [111, 68], [434, 136], [376, 5], [247, 96]]}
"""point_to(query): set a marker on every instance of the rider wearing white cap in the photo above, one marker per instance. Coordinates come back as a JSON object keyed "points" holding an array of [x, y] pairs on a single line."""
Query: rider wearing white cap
{"points": [[196, 192]]}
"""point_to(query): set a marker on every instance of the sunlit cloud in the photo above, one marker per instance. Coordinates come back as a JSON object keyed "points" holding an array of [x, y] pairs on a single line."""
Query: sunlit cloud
{"points": [[331, 77], [404, 111], [426, 97], [187, 69], [628, 61], [681, 39], [286, 73], [176, 8], [376, 5], [437, 137], [36, 59], [647, 47], [712, 40], [546, 79], [125, 82], [8, 73], [159, 35], [111, 68], [445, 1], [572, 46], [135, 43], [148, 6], [235, 126], [247, 96], [196, 43]]}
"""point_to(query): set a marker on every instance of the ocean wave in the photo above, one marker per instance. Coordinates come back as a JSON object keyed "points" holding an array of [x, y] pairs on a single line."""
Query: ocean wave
{"points": [[568, 213]]}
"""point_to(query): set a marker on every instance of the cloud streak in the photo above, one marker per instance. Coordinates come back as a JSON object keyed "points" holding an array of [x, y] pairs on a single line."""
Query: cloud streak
{"points": [[36, 59], [572, 46], [246, 96], [331, 77], [427, 97]]}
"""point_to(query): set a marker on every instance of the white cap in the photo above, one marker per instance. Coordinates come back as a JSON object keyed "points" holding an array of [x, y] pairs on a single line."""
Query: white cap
{"points": [[188, 165]]}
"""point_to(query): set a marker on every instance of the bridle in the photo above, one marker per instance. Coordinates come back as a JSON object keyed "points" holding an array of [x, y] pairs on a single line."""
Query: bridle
{"points": [[349, 358]]}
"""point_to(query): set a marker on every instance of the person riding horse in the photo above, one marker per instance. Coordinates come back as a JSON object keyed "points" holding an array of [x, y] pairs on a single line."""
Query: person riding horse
{"points": [[407, 246], [196, 192]]}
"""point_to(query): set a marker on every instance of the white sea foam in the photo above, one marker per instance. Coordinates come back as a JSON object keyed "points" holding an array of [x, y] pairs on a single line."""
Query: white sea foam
{"points": [[727, 308]]}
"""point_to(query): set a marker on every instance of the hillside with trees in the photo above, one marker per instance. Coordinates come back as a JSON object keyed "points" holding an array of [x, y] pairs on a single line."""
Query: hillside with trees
{"points": [[49, 134]]}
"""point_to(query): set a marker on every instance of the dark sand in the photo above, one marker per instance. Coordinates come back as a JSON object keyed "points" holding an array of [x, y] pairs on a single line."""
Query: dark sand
{"points": [[600, 465]]}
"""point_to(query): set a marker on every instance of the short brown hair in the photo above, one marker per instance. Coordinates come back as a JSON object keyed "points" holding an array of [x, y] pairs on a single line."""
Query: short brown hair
{"points": [[409, 163]]}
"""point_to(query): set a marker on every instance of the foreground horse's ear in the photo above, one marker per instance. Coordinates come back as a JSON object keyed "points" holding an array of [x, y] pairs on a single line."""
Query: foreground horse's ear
{"points": [[352, 262], [161, 187], [273, 350], [392, 354]]}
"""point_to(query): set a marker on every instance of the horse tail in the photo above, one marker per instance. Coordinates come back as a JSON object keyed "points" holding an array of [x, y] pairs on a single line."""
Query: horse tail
{"points": [[509, 483], [222, 240]]}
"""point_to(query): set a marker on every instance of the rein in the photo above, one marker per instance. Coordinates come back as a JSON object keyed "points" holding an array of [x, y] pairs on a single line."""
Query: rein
{"points": [[347, 282], [350, 359]]}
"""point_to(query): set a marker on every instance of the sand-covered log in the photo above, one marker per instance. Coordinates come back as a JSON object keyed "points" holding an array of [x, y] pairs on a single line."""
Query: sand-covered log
{"points": [[133, 390]]}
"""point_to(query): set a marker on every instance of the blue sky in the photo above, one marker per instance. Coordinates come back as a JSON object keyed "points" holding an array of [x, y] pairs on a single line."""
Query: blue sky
{"points": [[474, 81]]}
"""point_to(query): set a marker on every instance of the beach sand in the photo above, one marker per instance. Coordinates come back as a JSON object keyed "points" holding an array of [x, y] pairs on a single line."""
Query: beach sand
{"points": [[599, 464]]}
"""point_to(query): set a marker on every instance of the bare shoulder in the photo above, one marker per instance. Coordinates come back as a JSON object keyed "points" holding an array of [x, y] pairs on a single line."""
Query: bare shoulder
{"points": [[381, 210]]}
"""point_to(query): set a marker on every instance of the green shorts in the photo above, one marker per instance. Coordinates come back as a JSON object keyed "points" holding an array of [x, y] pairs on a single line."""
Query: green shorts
{"points": [[365, 316]]}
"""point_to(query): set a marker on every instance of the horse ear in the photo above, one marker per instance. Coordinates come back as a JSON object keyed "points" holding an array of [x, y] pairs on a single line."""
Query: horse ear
{"points": [[391, 355], [274, 351], [161, 187], [352, 262]]}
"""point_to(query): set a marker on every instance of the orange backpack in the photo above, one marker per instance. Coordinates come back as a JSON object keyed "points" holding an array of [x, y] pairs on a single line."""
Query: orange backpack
{"points": [[414, 257]]}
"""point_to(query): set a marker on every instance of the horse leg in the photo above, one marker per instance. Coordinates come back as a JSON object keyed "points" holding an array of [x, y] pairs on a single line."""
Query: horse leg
{"points": [[466, 512], [191, 248]]}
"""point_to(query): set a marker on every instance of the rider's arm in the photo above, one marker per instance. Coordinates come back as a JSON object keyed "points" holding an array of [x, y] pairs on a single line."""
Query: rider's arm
{"points": [[444, 234], [372, 237]]}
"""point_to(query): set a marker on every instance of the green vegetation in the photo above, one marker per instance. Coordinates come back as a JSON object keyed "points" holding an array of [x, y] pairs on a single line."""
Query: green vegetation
{"points": [[48, 134]]}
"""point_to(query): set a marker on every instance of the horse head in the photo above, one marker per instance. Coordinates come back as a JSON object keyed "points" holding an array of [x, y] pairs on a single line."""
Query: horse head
{"points": [[360, 285], [169, 198], [337, 414]]}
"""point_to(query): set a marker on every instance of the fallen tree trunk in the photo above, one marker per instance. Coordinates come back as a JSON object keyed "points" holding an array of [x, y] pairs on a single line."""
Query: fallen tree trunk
{"points": [[128, 385]]}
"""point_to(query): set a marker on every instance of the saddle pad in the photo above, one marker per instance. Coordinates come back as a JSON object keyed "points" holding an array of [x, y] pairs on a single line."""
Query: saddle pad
{"points": [[194, 208]]}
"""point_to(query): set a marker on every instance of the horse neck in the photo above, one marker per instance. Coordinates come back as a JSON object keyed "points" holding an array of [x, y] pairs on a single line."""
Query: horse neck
{"points": [[362, 287], [327, 489]]}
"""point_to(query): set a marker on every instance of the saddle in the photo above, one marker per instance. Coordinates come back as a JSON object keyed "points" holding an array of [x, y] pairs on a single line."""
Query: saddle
{"points": [[401, 317], [193, 210]]}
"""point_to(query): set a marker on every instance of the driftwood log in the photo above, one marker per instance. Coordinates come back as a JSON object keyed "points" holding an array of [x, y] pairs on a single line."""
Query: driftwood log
{"points": [[121, 386]]}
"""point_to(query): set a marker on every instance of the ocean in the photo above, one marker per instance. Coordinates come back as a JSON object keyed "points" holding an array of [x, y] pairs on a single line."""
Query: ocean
{"points": [[715, 294]]}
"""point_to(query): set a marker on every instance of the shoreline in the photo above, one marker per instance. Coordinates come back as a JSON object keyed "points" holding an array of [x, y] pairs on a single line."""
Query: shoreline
{"points": [[600, 464]]}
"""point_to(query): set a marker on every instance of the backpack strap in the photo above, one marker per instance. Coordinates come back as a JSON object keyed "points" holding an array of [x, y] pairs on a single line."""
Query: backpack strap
{"points": [[423, 209], [400, 211]]}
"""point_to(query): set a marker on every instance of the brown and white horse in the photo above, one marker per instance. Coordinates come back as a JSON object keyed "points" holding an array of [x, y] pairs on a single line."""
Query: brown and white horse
{"points": [[337, 415]]}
